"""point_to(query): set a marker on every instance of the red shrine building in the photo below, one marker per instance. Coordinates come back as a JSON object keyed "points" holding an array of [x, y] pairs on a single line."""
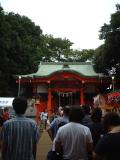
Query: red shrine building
{"points": [[60, 84]]}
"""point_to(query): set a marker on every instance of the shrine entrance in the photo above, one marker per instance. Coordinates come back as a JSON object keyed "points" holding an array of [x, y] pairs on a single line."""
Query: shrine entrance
{"points": [[66, 98]]}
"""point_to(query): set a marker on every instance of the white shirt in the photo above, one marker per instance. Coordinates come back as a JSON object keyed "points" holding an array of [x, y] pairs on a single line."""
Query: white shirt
{"points": [[44, 116], [74, 137]]}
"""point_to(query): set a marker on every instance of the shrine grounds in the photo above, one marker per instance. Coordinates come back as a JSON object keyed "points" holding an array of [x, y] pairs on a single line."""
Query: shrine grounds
{"points": [[43, 146]]}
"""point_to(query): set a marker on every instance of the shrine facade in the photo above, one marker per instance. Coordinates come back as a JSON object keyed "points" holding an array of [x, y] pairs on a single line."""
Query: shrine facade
{"points": [[60, 84]]}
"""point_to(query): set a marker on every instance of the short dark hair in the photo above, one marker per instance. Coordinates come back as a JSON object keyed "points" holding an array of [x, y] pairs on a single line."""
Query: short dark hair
{"points": [[20, 105], [66, 110], [96, 115], [111, 119], [76, 114], [86, 109]]}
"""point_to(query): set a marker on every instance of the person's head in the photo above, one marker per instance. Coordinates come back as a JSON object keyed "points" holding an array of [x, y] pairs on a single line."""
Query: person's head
{"points": [[20, 105], [66, 110], [111, 119], [6, 109], [76, 114], [96, 115], [86, 109], [45, 110], [60, 111]]}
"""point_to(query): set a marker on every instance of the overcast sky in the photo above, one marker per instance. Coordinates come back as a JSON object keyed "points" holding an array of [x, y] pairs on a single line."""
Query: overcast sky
{"points": [[77, 20]]}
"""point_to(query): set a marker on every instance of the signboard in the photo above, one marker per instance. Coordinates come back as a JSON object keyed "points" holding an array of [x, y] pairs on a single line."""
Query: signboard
{"points": [[6, 101]]}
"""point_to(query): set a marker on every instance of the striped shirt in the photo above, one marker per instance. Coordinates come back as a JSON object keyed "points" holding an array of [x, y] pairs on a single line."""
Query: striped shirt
{"points": [[20, 134], [55, 124]]}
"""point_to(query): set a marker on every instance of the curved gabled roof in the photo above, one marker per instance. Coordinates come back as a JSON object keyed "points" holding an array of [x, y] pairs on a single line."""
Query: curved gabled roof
{"points": [[46, 69]]}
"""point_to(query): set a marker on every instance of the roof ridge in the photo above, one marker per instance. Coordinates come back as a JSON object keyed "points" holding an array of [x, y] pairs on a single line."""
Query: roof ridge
{"points": [[62, 63]]}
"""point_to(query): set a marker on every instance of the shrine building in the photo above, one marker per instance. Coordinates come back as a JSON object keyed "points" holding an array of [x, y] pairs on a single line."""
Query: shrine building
{"points": [[60, 84]]}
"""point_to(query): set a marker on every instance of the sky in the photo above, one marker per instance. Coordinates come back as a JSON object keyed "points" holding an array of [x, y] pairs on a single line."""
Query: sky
{"points": [[77, 20]]}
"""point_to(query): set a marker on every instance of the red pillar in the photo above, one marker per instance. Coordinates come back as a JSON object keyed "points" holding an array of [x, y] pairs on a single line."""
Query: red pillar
{"points": [[49, 104], [81, 96]]}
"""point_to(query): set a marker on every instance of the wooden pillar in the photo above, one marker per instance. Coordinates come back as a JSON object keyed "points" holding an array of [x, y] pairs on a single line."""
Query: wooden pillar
{"points": [[49, 104]]}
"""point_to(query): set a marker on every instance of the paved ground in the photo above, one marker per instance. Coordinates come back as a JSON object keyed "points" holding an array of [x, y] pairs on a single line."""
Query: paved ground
{"points": [[44, 146]]}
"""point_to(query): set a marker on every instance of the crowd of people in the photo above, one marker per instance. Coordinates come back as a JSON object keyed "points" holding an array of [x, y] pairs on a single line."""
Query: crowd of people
{"points": [[84, 134], [77, 133]]}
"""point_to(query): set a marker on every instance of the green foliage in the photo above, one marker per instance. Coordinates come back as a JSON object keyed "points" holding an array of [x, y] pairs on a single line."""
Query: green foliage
{"points": [[56, 49], [79, 56], [109, 55], [19, 43], [99, 59]]}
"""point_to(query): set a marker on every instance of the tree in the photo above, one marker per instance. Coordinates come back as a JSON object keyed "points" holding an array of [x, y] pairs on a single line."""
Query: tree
{"points": [[56, 49], [84, 55], [111, 49], [20, 43], [99, 59]]}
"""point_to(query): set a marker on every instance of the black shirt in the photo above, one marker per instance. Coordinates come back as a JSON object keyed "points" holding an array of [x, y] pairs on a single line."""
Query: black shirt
{"points": [[96, 131], [109, 146]]}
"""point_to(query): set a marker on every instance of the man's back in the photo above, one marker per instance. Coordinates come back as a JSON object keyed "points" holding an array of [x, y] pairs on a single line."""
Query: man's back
{"points": [[74, 138], [20, 134]]}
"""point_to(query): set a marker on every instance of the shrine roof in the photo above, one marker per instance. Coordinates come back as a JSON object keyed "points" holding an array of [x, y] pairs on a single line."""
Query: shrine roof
{"points": [[46, 69]]}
